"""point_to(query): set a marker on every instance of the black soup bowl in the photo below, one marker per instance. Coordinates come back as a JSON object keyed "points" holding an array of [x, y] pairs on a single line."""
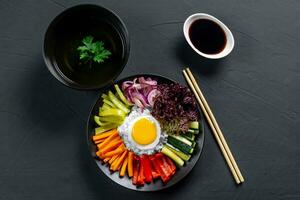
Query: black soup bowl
{"points": [[65, 34]]}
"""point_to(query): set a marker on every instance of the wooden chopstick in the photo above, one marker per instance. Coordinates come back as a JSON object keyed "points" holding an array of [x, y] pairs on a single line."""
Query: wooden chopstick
{"points": [[214, 126]]}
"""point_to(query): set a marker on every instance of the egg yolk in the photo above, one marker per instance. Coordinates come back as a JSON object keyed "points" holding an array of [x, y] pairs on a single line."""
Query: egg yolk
{"points": [[144, 132]]}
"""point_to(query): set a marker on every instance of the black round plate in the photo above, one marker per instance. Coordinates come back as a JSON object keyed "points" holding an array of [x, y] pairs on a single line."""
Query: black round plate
{"points": [[125, 181]]}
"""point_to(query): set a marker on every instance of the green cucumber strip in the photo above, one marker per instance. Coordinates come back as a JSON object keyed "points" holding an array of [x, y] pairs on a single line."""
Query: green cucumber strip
{"points": [[194, 131], [173, 156], [188, 135], [194, 125], [194, 144], [180, 145], [182, 139], [179, 153]]}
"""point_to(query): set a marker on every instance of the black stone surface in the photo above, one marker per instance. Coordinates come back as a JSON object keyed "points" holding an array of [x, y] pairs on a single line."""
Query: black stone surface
{"points": [[254, 93]]}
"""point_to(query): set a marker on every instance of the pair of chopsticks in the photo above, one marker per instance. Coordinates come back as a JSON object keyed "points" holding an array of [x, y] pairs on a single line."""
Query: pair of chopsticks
{"points": [[214, 126]]}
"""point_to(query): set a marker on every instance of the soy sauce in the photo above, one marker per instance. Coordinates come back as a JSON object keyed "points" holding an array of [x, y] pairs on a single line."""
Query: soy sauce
{"points": [[207, 36]]}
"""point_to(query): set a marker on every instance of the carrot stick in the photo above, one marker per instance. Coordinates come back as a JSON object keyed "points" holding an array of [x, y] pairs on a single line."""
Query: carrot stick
{"points": [[120, 161], [106, 159], [111, 146], [130, 163], [104, 135], [113, 158], [99, 154], [116, 138], [123, 169], [99, 141], [119, 150], [112, 166], [108, 139]]}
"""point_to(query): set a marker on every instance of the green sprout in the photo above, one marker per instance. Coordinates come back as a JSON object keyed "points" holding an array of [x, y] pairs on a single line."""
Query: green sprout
{"points": [[92, 51]]}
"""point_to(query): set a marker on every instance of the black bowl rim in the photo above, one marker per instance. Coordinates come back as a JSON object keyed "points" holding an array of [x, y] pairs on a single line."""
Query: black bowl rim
{"points": [[65, 80], [141, 189]]}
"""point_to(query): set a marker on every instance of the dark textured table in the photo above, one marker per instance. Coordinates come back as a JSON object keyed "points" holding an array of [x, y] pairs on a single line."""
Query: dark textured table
{"points": [[254, 92]]}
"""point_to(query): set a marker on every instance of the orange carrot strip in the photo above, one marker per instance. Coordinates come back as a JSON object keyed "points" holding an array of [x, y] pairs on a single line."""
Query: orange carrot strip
{"points": [[123, 168], [108, 139], [120, 161], [115, 162], [99, 141], [114, 165], [113, 158], [113, 140], [104, 135], [130, 164], [111, 146], [106, 159], [99, 154], [119, 150]]}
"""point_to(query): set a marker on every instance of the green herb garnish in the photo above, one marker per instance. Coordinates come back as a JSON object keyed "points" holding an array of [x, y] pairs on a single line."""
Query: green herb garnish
{"points": [[92, 51]]}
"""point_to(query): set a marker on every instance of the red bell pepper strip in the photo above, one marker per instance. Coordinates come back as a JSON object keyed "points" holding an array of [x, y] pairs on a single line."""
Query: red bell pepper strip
{"points": [[141, 176], [172, 166], [154, 173], [136, 167], [146, 168], [163, 171]]}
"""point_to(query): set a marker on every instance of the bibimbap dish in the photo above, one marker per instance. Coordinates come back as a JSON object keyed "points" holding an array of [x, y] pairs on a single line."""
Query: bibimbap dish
{"points": [[144, 132]]}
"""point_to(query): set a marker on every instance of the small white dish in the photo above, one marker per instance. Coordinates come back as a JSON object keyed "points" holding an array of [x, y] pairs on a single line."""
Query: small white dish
{"points": [[229, 37]]}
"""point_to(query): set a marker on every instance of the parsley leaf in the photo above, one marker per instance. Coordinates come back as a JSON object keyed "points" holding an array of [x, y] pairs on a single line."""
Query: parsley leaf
{"points": [[93, 51]]}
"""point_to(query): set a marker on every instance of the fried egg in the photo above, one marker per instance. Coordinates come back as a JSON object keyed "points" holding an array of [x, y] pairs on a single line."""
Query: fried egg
{"points": [[141, 132]]}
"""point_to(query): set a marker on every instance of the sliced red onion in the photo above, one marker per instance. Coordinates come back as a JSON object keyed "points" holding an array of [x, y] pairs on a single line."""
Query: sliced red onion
{"points": [[138, 103], [145, 91], [126, 84], [141, 97], [138, 91], [142, 80], [152, 94]]}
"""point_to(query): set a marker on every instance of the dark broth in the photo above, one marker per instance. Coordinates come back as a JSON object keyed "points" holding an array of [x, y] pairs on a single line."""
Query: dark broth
{"points": [[70, 37], [207, 36]]}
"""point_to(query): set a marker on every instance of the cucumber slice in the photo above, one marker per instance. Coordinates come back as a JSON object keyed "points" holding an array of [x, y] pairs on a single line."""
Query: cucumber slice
{"points": [[188, 135], [193, 131], [194, 125], [180, 145], [194, 144], [173, 156], [182, 139], [179, 153]]}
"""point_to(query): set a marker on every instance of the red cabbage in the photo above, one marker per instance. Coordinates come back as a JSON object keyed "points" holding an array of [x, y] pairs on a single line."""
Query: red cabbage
{"points": [[175, 107]]}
